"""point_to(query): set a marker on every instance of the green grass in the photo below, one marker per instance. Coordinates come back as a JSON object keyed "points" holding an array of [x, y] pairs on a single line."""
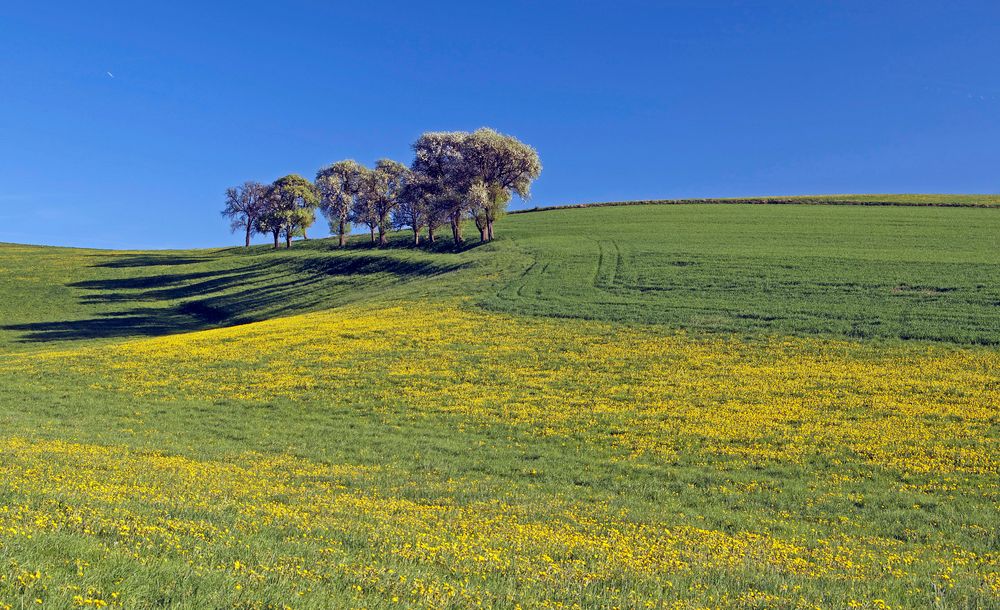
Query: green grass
{"points": [[72, 295], [888, 272], [900, 281]]}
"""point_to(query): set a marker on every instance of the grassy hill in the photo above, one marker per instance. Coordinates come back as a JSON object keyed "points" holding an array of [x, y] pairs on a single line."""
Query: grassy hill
{"points": [[712, 405], [892, 272]]}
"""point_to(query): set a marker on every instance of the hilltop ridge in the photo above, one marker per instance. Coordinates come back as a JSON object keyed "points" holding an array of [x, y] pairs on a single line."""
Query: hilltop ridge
{"points": [[902, 199]]}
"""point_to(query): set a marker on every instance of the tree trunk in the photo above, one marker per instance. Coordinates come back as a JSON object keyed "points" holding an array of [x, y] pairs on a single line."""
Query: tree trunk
{"points": [[343, 237], [489, 230], [275, 239], [372, 229], [248, 235], [288, 239], [456, 228], [430, 234], [416, 236], [482, 233], [304, 236], [381, 236]]}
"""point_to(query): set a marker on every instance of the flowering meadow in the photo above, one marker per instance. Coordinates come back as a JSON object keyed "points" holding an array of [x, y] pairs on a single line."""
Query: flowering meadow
{"points": [[416, 449]]}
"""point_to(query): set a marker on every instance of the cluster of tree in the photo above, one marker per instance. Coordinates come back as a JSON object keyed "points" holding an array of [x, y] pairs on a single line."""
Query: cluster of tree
{"points": [[455, 176]]}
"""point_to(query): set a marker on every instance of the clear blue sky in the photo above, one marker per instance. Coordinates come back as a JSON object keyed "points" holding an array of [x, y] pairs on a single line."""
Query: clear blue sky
{"points": [[622, 100]]}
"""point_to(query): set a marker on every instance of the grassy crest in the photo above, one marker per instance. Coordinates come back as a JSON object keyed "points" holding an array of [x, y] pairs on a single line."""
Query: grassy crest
{"points": [[652, 406]]}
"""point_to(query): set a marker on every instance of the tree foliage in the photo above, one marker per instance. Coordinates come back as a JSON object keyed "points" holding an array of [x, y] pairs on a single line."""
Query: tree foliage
{"points": [[438, 161], [416, 208], [295, 200], [454, 176], [388, 181], [503, 165], [244, 205], [363, 211], [338, 185]]}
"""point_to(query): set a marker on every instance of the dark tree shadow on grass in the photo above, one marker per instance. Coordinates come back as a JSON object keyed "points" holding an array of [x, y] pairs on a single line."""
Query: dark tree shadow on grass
{"points": [[403, 240], [253, 289], [148, 260]]}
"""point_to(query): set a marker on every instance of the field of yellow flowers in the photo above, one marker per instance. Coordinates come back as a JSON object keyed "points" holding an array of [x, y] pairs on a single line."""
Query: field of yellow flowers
{"points": [[382, 429], [748, 473]]}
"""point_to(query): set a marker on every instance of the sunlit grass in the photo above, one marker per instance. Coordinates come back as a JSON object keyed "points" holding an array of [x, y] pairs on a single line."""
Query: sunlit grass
{"points": [[851, 415], [607, 432]]}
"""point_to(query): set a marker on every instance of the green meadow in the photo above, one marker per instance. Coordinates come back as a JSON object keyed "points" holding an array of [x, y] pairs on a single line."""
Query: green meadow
{"points": [[885, 272], [708, 405]]}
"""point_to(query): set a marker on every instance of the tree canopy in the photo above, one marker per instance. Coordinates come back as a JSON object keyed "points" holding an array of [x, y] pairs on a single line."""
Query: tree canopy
{"points": [[244, 205], [295, 200], [338, 185], [454, 176], [386, 183], [502, 165], [438, 160]]}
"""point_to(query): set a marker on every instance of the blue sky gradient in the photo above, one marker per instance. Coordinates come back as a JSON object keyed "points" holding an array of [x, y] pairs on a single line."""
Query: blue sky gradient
{"points": [[622, 100]]}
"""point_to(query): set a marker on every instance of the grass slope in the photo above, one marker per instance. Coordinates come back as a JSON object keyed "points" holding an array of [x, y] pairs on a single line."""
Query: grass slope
{"points": [[888, 272], [564, 417], [55, 294]]}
